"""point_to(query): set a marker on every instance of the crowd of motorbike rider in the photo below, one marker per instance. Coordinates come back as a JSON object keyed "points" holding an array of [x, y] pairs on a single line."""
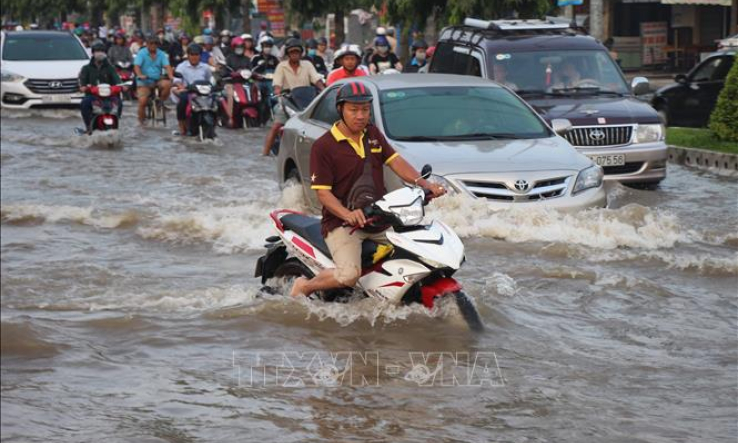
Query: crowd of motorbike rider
{"points": [[148, 63]]}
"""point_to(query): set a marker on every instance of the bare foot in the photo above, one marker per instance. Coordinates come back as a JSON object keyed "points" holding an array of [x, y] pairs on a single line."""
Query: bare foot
{"points": [[298, 288]]}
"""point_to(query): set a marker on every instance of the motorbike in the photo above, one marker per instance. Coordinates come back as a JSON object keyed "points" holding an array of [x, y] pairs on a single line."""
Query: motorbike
{"points": [[293, 102], [105, 107], [202, 110], [246, 100], [419, 267], [127, 77], [264, 76]]}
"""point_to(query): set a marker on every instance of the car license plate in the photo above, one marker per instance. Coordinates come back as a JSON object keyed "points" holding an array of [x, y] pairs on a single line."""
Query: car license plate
{"points": [[58, 98], [608, 160]]}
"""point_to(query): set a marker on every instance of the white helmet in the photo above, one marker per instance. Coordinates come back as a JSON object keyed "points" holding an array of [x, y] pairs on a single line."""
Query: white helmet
{"points": [[381, 31], [266, 39], [348, 49], [225, 33], [19, 28], [247, 37]]}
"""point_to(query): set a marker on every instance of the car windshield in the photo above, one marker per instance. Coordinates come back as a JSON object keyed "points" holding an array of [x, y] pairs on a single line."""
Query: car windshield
{"points": [[559, 72], [457, 113], [43, 48]]}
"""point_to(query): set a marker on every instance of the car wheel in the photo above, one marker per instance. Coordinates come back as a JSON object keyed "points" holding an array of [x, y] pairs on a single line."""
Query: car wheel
{"points": [[292, 177]]}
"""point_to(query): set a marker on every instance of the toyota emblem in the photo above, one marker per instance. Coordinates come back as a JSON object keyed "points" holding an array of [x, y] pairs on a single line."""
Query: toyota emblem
{"points": [[597, 134], [55, 84], [521, 185]]}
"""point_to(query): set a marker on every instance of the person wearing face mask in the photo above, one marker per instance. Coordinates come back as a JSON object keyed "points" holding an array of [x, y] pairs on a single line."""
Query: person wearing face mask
{"points": [[235, 61], [324, 51], [313, 57], [178, 49], [119, 52], [163, 42], [419, 58], [98, 71], [383, 59]]}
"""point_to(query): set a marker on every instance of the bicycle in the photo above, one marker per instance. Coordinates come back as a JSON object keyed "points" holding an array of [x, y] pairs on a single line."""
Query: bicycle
{"points": [[155, 109]]}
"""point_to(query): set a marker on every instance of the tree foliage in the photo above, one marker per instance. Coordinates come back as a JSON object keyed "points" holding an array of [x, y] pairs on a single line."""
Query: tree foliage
{"points": [[724, 119]]}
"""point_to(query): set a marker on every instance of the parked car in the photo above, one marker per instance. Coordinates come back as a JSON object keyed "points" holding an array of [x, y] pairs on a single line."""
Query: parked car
{"points": [[565, 74], [728, 43], [690, 101], [40, 69], [480, 138]]}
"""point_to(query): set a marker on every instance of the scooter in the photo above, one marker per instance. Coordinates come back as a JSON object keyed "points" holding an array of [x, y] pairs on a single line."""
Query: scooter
{"points": [[105, 107], [264, 76], [127, 77], [418, 268], [246, 100], [202, 110], [293, 102]]}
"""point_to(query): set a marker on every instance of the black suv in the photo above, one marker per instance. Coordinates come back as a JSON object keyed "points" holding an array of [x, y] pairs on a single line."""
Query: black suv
{"points": [[570, 79]]}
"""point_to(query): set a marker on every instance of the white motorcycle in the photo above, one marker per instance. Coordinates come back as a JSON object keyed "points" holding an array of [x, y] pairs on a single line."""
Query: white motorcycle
{"points": [[418, 268]]}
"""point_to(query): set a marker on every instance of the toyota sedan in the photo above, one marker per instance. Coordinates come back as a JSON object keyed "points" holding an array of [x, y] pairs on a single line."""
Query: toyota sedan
{"points": [[480, 138]]}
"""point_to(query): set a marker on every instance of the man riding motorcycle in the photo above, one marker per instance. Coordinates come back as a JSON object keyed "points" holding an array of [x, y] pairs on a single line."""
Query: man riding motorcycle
{"points": [[419, 59], [119, 52], [291, 73], [265, 64], [235, 62], [148, 66], [348, 57], [98, 71], [346, 170], [191, 70]]}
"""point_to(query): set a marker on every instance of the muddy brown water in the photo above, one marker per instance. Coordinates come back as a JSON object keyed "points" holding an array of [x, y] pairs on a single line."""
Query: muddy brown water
{"points": [[129, 311]]}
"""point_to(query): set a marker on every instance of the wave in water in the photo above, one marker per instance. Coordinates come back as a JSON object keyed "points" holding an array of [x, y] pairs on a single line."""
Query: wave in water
{"points": [[27, 214], [633, 226]]}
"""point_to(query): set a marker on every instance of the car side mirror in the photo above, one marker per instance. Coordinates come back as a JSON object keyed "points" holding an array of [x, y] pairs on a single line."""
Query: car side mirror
{"points": [[640, 86], [561, 126], [426, 171], [681, 78]]}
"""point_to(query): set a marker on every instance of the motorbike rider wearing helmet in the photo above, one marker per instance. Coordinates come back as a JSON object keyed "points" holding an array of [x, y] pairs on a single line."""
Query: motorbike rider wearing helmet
{"points": [[192, 70], [265, 56], [265, 63], [178, 50], [98, 71], [419, 60], [383, 58], [348, 57], [235, 62], [291, 73], [313, 57], [249, 50], [324, 52], [148, 66], [119, 52], [346, 171], [225, 42]]}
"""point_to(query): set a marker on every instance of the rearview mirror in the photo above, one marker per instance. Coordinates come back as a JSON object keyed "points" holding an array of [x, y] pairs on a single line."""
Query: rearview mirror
{"points": [[640, 86], [426, 171], [561, 126]]}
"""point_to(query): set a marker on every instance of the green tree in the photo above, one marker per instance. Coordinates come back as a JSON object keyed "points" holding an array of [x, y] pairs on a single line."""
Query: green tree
{"points": [[724, 119]]}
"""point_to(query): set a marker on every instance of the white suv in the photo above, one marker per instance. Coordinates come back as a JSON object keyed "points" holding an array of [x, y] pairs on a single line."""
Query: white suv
{"points": [[40, 68]]}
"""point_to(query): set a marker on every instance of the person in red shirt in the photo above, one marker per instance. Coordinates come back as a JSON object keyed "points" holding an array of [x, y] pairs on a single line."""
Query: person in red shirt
{"points": [[346, 170], [349, 58]]}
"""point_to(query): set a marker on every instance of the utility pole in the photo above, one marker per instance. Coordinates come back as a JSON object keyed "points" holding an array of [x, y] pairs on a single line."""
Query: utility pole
{"points": [[596, 19]]}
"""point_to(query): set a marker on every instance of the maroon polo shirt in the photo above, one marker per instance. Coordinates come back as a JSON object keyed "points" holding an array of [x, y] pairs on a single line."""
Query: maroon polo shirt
{"points": [[336, 163]]}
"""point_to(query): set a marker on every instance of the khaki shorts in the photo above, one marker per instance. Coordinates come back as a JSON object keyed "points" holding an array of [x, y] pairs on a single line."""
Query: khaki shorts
{"points": [[346, 251], [279, 115]]}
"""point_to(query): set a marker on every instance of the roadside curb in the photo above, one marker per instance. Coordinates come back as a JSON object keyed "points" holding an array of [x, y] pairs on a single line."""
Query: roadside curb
{"points": [[721, 163]]}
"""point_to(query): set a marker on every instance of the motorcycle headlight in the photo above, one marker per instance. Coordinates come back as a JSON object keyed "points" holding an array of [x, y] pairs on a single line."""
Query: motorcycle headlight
{"points": [[589, 178], [410, 215], [649, 133], [204, 89], [246, 74], [8, 76], [437, 179]]}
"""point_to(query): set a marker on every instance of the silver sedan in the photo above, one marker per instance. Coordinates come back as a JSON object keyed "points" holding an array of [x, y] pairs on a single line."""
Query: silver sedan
{"points": [[480, 138]]}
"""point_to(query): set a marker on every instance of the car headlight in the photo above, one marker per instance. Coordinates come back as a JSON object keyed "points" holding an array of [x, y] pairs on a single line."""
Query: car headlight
{"points": [[8, 76], [409, 215], [588, 178], [437, 179], [649, 133]]}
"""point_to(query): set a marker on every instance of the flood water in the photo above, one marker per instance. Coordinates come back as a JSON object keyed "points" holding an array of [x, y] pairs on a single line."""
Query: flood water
{"points": [[130, 312]]}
